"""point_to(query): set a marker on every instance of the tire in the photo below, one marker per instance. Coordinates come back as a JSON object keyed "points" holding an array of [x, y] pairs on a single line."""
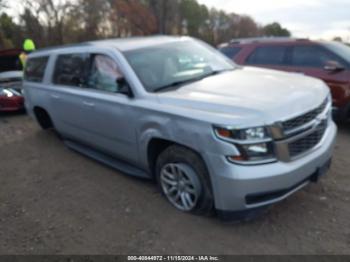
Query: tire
{"points": [[43, 119], [343, 116], [184, 180]]}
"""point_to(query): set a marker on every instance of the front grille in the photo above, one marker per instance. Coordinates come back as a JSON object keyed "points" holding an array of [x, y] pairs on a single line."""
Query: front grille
{"points": [[303, 119], [308, 142]]}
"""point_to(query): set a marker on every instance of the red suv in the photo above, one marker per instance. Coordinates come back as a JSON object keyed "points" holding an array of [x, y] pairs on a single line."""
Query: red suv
{"points": [[329, 61], [11, 98]]}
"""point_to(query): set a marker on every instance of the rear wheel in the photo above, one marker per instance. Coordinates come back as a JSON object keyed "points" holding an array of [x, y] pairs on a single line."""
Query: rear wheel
{"points": [[43, 118], [184, 180]]}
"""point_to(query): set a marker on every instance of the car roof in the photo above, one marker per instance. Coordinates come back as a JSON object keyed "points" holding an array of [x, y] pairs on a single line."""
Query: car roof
{"points": [[122, 44], [265, 40]]}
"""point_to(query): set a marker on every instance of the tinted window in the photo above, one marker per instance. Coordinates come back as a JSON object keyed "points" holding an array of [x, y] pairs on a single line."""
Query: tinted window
{"points": [[35, 69], [10, 63], [71, 70], [311, 56], [230, 52], [268, 55], [104, 74], [340, 49]]}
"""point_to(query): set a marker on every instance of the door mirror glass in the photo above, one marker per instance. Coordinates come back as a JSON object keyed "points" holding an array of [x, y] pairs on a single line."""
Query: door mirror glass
{"points": [[333, 66]]}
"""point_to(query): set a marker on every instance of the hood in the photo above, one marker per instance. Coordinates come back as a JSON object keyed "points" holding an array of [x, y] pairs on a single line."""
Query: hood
{"points": [[11, 75], [250, 94]]}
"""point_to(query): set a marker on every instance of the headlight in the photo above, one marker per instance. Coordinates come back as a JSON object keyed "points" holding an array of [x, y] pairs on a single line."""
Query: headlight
{"points": [[255, 133], [6, 93], [254, 144]]}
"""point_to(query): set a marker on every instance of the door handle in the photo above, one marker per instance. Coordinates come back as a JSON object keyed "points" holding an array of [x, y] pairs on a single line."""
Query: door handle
{"points": [[55, 96], [88, 104]]}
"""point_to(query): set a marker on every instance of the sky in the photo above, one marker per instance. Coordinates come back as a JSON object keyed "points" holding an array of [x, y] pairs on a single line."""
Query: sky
{"points": [[316, 19]]}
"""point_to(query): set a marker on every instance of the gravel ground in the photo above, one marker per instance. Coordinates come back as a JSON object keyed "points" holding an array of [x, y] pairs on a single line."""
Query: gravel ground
{"points": [[55, 201]]}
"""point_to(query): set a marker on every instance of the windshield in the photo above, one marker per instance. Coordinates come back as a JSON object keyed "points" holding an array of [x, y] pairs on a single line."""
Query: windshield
{"points": [[340, 49], [10, 63], [171, 64]]}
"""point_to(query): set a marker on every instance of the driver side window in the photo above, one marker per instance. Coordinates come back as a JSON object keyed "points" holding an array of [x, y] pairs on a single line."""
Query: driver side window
{"points": [[104, 74], [311, 56]]}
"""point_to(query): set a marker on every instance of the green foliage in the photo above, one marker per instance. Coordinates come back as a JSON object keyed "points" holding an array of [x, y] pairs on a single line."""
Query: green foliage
{"points": [[9, 31], [275, 29]]}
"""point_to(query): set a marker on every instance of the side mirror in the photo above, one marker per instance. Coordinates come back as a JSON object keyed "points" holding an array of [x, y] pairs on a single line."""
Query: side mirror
{"points": [[333, 66], [124, 87]]}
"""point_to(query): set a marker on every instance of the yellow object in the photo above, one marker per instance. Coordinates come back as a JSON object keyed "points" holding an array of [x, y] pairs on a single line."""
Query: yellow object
{"points": [[23, 58], [28, 45]]}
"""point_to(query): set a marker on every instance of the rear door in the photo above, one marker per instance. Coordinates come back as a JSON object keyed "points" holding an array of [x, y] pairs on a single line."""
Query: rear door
{"points": [[273, 56], [68, 81]]}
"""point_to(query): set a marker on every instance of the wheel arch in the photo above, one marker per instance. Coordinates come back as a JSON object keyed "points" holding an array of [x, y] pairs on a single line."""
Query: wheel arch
{"points": [[43, 117], [156, 145]]}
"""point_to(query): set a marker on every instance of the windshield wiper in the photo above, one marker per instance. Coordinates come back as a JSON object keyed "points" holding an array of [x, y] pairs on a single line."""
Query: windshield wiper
{"points": [[176, 84], [179, 83]]}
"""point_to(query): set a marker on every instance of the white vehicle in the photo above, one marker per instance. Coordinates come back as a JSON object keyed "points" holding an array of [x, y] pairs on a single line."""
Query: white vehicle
{"points": [[214, 135]]}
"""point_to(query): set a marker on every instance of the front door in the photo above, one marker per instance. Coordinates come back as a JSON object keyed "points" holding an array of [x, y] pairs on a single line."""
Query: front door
{"points": [[311, 60], [109, 115]]}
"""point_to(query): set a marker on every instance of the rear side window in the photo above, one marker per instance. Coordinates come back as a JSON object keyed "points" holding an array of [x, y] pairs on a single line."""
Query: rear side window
{"points": [[229, 51], [35, 69], [268, 55], [311, 56], [71, 70]]}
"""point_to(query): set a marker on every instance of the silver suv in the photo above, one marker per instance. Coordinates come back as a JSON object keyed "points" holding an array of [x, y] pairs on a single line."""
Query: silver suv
{"points": [[214, 135]]}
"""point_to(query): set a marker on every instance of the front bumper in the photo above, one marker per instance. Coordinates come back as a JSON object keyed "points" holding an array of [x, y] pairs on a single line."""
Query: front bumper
{"points": [[235, 186]]}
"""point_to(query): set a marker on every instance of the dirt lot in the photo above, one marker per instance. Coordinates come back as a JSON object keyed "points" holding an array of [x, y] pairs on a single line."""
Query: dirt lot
{"points": [[53, 200]]}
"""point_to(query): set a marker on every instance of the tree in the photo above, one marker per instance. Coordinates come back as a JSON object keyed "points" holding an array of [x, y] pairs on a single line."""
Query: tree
{"points": [[133, 18], [338, 39], [275, 29], [56, 22], [166, 13], [11, 33], [193, 17]]}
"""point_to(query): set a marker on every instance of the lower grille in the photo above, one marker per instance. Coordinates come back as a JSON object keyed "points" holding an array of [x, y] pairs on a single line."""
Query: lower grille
{"points": [[308, 142]]}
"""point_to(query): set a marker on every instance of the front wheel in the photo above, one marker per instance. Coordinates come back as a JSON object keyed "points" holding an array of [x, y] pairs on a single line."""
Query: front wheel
{"points": [[184, 180]]}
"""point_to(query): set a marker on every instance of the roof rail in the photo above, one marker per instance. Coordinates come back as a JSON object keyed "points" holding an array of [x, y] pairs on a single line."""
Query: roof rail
{"points": [[264, 39]]}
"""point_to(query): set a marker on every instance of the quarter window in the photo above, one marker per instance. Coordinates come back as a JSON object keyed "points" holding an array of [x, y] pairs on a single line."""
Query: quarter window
{"points": [[35, 69], [71, 70], [230, 52], [104, 74], [268, 55], [311, 56]]}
